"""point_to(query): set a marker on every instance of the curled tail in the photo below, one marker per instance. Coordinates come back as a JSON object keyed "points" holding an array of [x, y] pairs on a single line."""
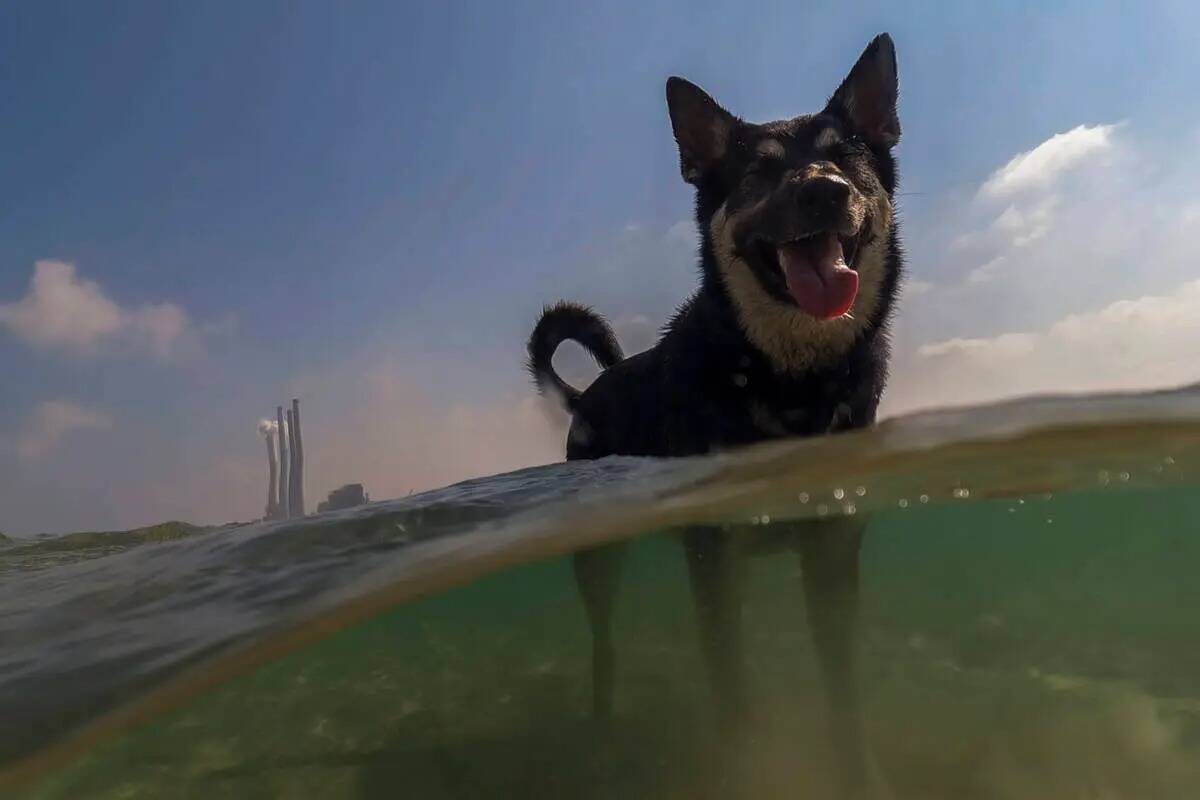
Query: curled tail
{"points": [[558, 323]]}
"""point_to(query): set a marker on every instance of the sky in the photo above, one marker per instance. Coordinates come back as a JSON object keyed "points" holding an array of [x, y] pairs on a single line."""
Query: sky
{"points": [[207, 209]]}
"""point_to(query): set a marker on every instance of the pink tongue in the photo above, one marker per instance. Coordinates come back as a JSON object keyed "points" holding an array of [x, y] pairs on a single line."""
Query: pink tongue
{"points": [[817, 276]]}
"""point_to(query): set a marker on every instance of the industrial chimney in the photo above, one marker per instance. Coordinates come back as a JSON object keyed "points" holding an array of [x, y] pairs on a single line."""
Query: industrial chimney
{"points": [[297, 462], [284, 465], [267, 429]]}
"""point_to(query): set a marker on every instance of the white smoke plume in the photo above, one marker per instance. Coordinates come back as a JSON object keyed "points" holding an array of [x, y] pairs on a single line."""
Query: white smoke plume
{"points": [[267, 427]]}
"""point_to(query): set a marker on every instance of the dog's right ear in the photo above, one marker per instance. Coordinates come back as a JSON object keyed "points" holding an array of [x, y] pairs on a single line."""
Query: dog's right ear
{"points": [[702, 128]]}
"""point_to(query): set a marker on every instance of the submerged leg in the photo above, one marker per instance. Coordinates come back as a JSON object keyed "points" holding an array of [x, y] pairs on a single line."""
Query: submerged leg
{"points": [[598, 573], [830, 553], [715, 572]]}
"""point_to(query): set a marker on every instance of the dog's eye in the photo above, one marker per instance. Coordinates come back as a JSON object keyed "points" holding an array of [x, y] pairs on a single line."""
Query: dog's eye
{"points": [[761, 167]]}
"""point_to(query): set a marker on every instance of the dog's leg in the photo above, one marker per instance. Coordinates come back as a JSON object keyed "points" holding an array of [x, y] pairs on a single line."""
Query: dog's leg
{"points": [[830, 554], [715, 572], [597, 573]]}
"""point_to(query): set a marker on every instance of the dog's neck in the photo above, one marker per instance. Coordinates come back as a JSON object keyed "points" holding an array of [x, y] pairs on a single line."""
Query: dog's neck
{"points": [[839, 395], [732, 301]]}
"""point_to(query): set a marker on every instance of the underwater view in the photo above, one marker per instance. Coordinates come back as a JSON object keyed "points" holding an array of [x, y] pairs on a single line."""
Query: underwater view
{"points": [[1029, 628]]}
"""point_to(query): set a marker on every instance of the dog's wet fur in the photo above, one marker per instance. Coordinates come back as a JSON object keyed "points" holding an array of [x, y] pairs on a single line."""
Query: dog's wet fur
{"points": [[741, 362]]}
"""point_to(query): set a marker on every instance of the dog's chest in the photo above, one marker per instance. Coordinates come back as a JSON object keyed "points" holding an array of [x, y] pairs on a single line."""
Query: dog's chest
{"points": [[747, 405], [770, 417], [798, 420]]}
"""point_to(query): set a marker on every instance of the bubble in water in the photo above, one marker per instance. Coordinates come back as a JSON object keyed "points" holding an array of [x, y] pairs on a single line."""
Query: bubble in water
{"points": [[804, 497], [924, 498], [1049, 520], [839, 493], [1103, 477], [861, 491], [766, 519], [1124, 476], [903, 502], [850, 509], [822, 510], [962, 494], [1168, 461]]}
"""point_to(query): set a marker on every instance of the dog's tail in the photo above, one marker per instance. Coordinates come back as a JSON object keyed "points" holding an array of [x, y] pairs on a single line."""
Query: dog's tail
{"points": [[558, 323]]}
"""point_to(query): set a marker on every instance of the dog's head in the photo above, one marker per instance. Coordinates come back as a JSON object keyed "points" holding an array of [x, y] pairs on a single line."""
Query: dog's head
{"points": [[797, 214]]}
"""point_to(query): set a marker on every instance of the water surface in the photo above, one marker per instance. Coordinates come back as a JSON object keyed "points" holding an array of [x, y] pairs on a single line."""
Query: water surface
{"points": [[1030, 628]]}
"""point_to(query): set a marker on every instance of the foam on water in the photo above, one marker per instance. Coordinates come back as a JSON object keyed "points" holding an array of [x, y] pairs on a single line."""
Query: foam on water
{"points": [[1029, 626]]}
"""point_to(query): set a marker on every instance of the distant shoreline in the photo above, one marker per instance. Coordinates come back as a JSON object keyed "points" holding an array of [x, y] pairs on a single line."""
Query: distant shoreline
{"points": [[161, 532]]}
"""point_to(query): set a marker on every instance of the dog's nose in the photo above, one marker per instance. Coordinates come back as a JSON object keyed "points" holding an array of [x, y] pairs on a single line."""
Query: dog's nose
{"points": [[823, 192]]}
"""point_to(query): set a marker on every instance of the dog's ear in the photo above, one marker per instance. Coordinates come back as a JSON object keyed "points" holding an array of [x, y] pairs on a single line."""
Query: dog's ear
{"points": [[702, 128], [867, 98]]}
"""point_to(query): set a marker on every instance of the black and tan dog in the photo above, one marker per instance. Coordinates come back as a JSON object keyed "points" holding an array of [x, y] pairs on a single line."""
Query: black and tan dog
{"points": [[786, 336]]}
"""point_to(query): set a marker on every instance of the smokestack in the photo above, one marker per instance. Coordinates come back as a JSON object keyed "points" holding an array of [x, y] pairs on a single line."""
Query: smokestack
{"points": [[267, 429], [297, 462], [291, 510], [284, 465]]}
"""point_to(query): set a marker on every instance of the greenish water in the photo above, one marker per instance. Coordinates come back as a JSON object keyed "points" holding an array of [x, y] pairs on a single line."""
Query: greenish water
{"points": [[1031, 629]]}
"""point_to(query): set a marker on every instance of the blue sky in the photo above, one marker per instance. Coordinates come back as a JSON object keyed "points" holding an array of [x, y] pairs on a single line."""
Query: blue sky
{"points": [[366, 205]]}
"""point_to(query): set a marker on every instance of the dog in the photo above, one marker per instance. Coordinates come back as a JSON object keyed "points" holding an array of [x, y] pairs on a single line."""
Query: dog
{"points": [[787, 335]]}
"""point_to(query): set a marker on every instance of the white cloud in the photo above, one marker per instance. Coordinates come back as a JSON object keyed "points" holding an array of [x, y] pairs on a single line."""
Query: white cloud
{"points": [[684, 232], [1006, 344], [1025, 223], [1036, 193], [52, 422], [1044, 164], [63, 311], [159, 326], [987, 272], [1148, 342], [1028, 198], [1119, 224], [1074, 270], [916, 288]]}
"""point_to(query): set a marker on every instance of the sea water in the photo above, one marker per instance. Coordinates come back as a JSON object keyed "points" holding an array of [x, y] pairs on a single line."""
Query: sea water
{"points": [[1030, 629]]}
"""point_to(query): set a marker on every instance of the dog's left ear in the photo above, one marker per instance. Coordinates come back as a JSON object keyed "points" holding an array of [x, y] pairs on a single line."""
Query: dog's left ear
{"points": [[701, 127], [867, 98]]}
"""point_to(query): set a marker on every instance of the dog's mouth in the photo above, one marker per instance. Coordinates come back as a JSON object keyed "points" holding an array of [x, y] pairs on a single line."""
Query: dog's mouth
{"points": [[818, 272]]}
